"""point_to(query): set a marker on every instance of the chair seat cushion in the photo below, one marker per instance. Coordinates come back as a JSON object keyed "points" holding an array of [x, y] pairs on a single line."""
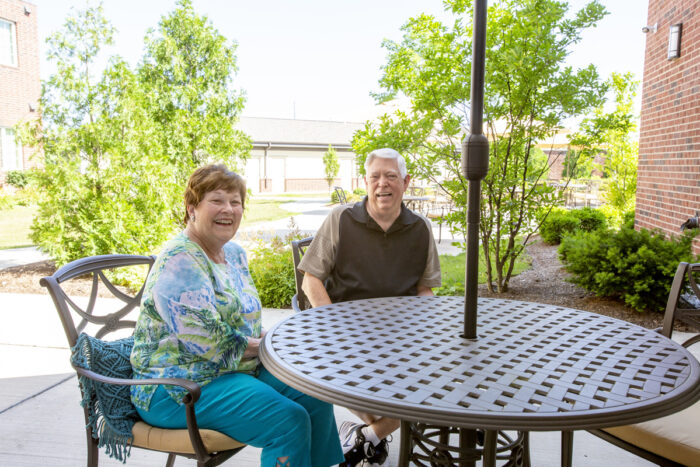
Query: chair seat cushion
{"points": [[675, 437], [161, 439]]}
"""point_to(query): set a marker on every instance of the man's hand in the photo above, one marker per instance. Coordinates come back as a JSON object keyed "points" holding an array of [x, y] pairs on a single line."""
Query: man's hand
{"points": [[315, 290], [424, 291]]}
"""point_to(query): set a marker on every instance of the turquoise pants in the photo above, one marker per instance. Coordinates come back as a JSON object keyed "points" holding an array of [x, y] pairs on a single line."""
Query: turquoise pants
{"points": [[262, 412]]}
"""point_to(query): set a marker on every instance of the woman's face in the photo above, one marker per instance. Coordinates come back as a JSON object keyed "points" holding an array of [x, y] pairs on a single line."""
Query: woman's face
{"points": [[217, 216]]}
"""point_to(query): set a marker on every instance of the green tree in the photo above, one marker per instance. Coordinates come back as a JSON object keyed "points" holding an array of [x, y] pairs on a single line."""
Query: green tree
{"points": [[529, 92], [577, 165], [331, 166], [622, 144], [110, 183], [188, 72], [613, 135]]}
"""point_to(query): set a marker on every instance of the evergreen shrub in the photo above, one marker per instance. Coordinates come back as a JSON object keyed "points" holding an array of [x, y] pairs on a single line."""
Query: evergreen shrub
{"points": [[17, 178], [561, 222], [558, 223], [589, 219], [636, 267], [272, 268]]}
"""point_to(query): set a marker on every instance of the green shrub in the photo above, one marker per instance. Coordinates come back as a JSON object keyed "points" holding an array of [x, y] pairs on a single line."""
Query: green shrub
{"points": [[628, 219], [557, 224], [272, 269], [561, 222], [634, 266], [589, 219], [7, 200], [356, 195], [27, 196], [17, 178]]}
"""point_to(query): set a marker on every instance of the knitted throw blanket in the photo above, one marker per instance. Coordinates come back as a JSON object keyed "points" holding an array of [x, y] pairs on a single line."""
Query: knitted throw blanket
{"points": [[111, 415]]}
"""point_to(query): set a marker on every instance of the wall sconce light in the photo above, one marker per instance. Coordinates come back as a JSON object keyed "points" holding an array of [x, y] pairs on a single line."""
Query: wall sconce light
{"points": [[27, 10], [32, 108], [648, 29], [674, 41]]}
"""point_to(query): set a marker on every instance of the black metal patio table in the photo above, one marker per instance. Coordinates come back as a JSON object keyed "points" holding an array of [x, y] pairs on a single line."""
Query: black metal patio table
{"points": [[534, 367]]}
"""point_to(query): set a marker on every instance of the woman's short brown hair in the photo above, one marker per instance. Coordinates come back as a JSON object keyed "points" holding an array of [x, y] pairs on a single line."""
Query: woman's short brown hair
{"points": [[210, 178]]}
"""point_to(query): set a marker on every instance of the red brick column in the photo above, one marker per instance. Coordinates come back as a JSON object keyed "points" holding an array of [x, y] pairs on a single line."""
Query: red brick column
{"points": [[668, 176]]}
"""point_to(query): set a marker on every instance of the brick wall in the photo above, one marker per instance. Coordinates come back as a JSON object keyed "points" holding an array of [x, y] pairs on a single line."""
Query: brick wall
{"points": [[668, 183], [555, 160], [20, 86]]}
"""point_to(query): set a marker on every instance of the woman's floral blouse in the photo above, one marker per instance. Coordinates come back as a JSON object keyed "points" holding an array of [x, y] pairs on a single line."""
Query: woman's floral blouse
{"points": [[195, 318]]}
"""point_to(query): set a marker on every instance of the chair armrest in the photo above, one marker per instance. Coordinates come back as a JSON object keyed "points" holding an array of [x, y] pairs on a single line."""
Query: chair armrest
{"points": [[295, 304], [193, 389], [193, 392]]}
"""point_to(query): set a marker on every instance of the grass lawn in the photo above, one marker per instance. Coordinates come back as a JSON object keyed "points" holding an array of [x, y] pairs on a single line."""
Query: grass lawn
{"points": [[14, 226], [260, 210], [452, 268]]}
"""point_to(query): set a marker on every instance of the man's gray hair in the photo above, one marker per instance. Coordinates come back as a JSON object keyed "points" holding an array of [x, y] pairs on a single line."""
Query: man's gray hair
{"points": [[387, 153]]}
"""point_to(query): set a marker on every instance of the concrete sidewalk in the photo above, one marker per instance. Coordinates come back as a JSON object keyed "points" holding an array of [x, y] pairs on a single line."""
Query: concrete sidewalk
{"points": [[19, 256]]}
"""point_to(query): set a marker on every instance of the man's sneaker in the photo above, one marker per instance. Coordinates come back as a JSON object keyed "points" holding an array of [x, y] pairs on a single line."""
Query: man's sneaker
{"points": [[381, 455], [355, 447]]}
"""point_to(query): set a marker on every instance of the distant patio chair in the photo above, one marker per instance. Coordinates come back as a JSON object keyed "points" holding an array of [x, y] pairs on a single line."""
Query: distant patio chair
{"points": [[416, 190], [341, 195], [673, 440], [300, 301]]}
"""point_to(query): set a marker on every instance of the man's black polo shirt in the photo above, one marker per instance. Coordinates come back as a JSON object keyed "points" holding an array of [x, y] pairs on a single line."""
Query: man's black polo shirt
{"points": [[357, 259]]}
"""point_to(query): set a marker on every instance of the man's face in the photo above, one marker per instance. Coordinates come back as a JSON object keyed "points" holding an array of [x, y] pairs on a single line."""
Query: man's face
{"points": [[385, 187]]}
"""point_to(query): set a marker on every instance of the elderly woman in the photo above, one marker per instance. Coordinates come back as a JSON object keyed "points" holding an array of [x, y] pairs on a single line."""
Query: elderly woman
{"points": [[200, 320]]}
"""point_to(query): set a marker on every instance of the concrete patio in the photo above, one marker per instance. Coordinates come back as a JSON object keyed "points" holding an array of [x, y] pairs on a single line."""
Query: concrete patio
{"points": [[41, 422]]}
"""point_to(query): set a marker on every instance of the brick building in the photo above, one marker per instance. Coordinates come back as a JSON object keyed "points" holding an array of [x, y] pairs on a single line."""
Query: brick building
{"points": [[20, 84], [668, 183]]}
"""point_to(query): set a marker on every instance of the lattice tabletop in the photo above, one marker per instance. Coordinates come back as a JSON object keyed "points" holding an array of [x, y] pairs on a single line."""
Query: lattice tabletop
{"points": [[533, 367]]}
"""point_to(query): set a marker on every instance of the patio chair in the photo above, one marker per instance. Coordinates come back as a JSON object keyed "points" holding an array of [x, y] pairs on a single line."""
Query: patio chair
{"points": [[300, 301], [107, 395], [673, 440], [341, 195]]}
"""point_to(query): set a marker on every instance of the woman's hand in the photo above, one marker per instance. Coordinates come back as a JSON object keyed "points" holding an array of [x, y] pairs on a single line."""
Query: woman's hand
{"points": [[253, 347]]}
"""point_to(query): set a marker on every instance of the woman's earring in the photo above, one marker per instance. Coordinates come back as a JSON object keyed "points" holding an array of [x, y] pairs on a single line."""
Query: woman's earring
{"points": [[192, 217]]}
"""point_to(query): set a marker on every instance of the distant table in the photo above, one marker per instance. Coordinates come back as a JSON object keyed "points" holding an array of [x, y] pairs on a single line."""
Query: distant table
{"points": [[413, 202], [534, 367]]}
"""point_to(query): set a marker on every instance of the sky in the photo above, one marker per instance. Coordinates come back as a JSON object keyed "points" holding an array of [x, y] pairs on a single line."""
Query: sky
{"points": [[321, 59]]}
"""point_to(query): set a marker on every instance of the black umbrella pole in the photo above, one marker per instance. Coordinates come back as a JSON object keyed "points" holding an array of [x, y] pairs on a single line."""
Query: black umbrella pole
{"points": [[472, 263], [475, 165]]}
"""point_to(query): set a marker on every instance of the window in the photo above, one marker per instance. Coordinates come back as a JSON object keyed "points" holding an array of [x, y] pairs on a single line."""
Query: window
{"points": [[8, 43], [10, 151]]}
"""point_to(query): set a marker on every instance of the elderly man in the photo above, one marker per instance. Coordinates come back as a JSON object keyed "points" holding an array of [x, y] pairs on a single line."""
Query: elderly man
{"points": [[374, 248]]}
